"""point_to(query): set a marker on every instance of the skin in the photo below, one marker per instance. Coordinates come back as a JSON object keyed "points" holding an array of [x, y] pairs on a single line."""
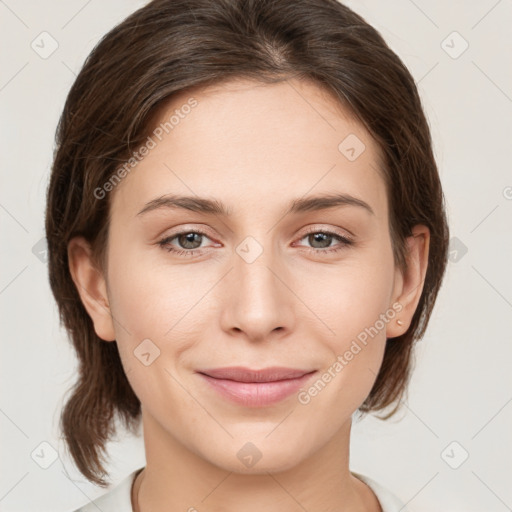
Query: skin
{"points": [[289, 307]]}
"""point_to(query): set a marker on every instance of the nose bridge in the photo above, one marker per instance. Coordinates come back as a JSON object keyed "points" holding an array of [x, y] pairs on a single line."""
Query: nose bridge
{"points": [[252, 268], [258, 301]]}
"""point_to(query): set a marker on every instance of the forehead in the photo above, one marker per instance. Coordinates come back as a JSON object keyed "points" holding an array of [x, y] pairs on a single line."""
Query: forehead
{"points": [[243, 142]]}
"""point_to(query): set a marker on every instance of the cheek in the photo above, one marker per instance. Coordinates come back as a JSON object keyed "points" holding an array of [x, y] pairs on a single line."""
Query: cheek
{"points": [[150, 298], [158, 310], [351, 298], [357, 310], [357, 315]]}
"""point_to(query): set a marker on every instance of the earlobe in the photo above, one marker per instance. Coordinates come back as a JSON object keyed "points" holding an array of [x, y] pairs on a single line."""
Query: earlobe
{"points": [[409, 283], [91, 286]]}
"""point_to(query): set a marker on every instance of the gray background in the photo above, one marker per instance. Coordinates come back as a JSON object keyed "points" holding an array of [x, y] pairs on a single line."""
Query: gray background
{"points": [[460, 395]]}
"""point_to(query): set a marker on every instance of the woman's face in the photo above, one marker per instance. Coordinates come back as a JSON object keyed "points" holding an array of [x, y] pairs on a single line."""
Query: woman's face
{"points": [[261, 285]]}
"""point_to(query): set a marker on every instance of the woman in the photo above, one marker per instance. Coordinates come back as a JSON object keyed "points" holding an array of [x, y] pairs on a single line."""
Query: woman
{"points": [[246, 234]]}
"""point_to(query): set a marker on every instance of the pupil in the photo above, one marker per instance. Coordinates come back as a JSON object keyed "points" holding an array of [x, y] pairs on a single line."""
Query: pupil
{"points": [[188, 238], [321, 237]]}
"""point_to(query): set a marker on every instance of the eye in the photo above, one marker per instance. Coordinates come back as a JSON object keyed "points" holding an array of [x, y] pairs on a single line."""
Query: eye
{"points": [[188, 240], [321, 241]]}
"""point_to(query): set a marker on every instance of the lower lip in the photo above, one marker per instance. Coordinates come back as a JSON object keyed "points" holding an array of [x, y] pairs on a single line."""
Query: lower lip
{"points": [[257, 394]]}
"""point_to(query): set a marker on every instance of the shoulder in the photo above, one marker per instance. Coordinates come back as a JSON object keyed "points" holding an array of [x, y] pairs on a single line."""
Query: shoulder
{"points": [[116, 499], [389, 502]]}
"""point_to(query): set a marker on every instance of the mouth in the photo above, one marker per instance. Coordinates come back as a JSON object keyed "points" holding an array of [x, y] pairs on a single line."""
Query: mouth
{"points": [[256, 388]]}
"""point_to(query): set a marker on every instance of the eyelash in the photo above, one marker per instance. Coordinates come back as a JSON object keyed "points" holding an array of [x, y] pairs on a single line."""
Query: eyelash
{"points": [[345, 242]]}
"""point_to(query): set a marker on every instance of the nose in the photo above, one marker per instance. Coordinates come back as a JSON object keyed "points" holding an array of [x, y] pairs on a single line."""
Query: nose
{"points": [[258, 300]]}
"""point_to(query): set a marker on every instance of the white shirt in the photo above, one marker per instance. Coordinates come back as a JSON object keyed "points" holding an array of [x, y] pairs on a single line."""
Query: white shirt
{"points": [[118, 499]]}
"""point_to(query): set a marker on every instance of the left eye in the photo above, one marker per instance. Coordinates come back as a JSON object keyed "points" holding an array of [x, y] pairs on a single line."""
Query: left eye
{"points": [[324, 238]]}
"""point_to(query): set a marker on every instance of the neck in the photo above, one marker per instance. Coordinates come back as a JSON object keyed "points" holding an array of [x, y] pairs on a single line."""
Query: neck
{"points": [[176, 478]]}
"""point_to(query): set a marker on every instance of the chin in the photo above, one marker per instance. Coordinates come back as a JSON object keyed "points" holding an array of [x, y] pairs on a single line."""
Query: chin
{"points": [[259, 455]]}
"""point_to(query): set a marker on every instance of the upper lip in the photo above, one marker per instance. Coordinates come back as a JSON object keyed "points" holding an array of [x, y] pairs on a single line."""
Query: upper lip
{"points": [[242, 374]]}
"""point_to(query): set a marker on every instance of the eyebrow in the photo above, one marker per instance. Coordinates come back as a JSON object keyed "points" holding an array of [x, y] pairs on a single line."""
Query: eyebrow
{"points": [[215, 207]]}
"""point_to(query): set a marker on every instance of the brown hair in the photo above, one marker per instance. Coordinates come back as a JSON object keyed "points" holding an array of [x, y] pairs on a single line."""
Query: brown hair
{"points": [[172, 45]]}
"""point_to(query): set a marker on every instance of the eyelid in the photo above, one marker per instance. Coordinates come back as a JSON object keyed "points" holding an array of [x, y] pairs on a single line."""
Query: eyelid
{"points": [[332, 230], [187, 228]]}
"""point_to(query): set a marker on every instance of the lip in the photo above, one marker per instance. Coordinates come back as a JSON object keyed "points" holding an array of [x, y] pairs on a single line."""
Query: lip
{"points": [[256, 388]]}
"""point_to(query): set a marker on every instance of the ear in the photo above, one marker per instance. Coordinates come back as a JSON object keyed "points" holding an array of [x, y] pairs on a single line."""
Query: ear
{"points": [[91, 286], [408, 284]]}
